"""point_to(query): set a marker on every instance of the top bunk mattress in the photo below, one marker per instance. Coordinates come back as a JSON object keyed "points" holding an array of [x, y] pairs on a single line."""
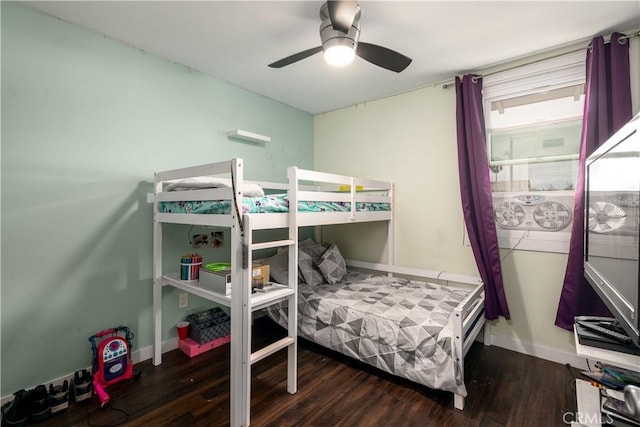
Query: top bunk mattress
{"points": [[272, 203]]}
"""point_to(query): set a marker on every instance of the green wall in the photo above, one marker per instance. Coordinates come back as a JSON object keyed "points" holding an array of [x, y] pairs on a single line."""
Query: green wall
{"points": [[86, 121]]}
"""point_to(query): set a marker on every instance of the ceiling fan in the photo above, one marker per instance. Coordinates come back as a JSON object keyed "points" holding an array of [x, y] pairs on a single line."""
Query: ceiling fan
{"points": [[339, 33]]}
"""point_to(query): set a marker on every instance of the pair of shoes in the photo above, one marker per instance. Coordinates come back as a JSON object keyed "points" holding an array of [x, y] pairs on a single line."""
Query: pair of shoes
{"points": [[59, 397], [39, 408], [26, 406], [81, 384], [14, 413]]}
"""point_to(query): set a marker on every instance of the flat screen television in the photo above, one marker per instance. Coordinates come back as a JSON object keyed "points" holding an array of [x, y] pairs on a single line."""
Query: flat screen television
{"points": [[612, 226]]}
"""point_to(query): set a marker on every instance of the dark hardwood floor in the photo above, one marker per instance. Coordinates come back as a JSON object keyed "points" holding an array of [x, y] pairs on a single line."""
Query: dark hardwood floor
{"points": [[505, 389]]}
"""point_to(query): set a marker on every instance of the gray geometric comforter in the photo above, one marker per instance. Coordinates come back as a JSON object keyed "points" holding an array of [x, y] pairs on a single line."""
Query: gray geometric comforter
{"points": [[402, 327]]}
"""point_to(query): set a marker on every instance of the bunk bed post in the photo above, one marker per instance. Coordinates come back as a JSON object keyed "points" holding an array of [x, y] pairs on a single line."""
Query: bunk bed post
{"points": [[458, 345], [458, 402], [487, 333], [292, 309], [239, 402], [352, 191], [157, 278], [247, 259], [390, 230]]}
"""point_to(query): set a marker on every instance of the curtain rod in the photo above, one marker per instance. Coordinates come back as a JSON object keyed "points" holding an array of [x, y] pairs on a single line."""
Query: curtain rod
{"points": [[450, 83]]}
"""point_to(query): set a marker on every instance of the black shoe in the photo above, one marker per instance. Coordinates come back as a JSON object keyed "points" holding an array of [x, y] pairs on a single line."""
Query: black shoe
{"points": [[81, 385], [39, 408], [59, 397], [14, 413]]}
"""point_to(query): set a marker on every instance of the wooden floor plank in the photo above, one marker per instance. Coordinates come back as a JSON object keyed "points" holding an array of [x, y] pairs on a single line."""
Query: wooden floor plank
{"points": [[505, 389]]}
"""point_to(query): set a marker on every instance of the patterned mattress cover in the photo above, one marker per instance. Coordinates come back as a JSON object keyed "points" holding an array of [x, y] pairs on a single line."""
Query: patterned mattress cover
{"points": [[402, 327], [272, 203]]}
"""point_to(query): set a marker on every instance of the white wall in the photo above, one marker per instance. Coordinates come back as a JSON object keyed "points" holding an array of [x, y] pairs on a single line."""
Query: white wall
{"points": [[411, 140]]}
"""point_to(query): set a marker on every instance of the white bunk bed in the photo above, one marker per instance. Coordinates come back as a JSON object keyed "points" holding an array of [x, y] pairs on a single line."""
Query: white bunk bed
{"points": [[241, 301], [353, 194]]}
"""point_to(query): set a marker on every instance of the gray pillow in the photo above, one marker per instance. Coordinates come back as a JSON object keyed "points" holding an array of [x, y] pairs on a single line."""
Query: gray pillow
{"points": [[279, 267], [306, 242], [308, 255], [332, 265]]}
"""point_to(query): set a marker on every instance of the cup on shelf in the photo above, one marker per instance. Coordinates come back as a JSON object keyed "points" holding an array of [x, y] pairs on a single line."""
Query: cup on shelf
{"points": [[183, 330], [190, 270]]}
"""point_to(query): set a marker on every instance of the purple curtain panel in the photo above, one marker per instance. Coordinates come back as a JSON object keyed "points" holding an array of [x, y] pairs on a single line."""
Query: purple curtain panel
{"points": [[607, 107], [475, 189]]}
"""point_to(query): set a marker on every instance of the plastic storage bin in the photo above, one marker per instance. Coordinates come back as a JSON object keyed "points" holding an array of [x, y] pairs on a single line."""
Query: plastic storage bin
{"points": [[208, 325]]}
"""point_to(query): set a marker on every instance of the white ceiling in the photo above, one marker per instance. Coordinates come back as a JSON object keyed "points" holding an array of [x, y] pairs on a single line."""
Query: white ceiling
{"points": [[235, 40]]}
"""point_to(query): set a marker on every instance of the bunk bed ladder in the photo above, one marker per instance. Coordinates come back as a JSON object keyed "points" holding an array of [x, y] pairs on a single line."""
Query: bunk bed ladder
{"points": [[241, 318]]}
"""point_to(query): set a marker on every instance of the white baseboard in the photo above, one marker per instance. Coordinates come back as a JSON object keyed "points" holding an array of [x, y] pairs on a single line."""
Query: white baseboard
{"points": [[541, 351], [137, 356]]}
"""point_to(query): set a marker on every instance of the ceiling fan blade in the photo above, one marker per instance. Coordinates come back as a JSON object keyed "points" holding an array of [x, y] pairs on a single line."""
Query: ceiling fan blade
{"points": [[382, 57], [342, 13], [296, 57]]}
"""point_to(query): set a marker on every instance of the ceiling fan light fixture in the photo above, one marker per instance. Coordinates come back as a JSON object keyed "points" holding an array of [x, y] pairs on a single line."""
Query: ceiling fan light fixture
{"points": [[339, 47], [340, 34], [339, 55]]}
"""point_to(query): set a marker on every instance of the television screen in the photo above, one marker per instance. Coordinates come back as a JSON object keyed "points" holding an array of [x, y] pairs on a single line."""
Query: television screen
{"points": [[612, 225]]}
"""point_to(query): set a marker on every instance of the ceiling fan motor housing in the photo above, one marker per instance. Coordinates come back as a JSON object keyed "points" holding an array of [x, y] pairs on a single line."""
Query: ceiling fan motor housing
{"points": [[331, 37]]}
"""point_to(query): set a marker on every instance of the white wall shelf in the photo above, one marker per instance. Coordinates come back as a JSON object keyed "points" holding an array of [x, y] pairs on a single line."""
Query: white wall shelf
{"points": [[248, 136], [271, 294], [616, 358]]}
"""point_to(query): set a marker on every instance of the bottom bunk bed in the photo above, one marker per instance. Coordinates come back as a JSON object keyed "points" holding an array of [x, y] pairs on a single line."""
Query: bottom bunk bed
{"points": [[416, 329]]}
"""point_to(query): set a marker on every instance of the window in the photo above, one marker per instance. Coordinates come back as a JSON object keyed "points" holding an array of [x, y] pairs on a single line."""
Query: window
{"points": [[533, 120]]}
